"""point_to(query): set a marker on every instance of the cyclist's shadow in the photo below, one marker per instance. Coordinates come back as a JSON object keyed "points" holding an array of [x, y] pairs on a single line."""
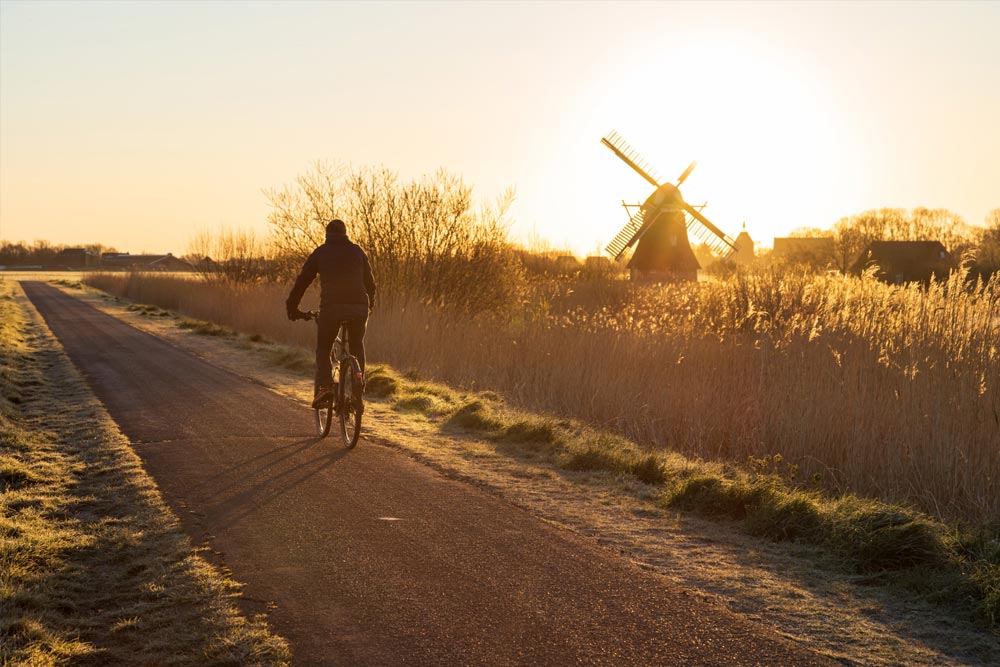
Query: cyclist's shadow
{"points": [[263, 478]]}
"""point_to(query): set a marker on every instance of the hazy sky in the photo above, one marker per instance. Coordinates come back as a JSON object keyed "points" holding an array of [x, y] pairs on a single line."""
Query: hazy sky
{"points": [[139, 124]]}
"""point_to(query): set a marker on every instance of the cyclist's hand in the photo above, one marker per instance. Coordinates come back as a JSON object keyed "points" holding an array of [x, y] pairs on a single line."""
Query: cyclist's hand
{"points": [[295, 314]]}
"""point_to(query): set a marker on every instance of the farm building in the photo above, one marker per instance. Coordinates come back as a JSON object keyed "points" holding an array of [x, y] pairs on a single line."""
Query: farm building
{"points": [[124, 260], [906, 261], [567, 264], [76, 258]]}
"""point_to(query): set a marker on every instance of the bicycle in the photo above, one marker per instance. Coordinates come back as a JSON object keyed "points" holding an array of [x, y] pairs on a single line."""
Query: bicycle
{"points": [[347, 403]]}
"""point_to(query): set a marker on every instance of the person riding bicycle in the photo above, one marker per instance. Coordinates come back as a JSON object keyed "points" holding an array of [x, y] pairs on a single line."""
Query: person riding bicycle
{"points": [[347, 294]]}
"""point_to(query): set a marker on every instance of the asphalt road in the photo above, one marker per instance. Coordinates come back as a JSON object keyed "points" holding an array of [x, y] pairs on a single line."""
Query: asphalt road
{"points": [[367, 557]]}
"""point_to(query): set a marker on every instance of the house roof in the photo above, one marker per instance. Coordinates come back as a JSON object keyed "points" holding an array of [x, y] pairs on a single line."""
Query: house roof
{"points": [[904, 255], [155, 261], [907, 250]]}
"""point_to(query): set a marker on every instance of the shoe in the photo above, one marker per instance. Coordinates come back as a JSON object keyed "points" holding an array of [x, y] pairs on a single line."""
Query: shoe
{"points": [[323, 396]]}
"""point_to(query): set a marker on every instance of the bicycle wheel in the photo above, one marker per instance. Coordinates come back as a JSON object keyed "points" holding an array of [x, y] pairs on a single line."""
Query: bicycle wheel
{"points": [[324, 420], [351, 407]]}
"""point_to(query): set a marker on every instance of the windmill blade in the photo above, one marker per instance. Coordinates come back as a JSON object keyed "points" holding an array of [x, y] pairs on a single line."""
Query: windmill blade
{"points": [[631, 157], [699, 233], [687, 172], [715, 238], [627, 235]]}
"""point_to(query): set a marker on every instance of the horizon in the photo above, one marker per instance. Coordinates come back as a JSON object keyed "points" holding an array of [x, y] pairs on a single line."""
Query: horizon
{"points": [[140, 126]]}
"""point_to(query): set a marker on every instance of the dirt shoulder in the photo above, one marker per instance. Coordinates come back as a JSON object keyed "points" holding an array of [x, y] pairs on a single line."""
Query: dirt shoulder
{"points": [[94, 569], [794, 588]]}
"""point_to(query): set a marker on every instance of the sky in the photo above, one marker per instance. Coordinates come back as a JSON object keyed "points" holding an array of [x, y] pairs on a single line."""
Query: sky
{"points": [[141, 124]]}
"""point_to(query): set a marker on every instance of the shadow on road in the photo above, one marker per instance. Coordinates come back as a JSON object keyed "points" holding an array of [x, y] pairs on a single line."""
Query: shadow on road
{"points": [[258, 480]]}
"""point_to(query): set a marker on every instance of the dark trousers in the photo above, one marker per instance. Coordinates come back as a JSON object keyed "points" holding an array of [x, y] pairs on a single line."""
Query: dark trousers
{"points": [[329, 322]]}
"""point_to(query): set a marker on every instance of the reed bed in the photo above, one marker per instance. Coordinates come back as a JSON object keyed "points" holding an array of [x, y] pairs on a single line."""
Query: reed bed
{"points": [[891, 392]]}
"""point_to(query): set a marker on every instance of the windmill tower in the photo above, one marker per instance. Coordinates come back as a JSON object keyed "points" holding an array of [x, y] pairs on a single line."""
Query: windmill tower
{"points": [[660, 226], [744, 248]]}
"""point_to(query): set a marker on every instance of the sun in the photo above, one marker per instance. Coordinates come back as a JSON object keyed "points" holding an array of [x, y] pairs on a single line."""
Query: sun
{"points": [[763, 133]]}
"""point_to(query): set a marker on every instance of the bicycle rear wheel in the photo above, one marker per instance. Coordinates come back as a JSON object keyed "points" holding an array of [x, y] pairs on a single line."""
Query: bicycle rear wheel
{"points": [[349, 401]]}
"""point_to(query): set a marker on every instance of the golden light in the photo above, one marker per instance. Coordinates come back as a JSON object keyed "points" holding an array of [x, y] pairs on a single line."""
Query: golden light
{"points": [[762, 130]]}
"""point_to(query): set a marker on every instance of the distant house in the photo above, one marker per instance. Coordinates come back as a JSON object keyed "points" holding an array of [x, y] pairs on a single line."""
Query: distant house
{"points": [[76, 258], [567, 263], [815, 251], [598, 264], [901, 262], [124, 260]]}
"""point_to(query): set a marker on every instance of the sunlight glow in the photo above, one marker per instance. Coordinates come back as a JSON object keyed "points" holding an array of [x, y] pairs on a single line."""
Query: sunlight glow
{"points": [[138, 124], [764, 137]]}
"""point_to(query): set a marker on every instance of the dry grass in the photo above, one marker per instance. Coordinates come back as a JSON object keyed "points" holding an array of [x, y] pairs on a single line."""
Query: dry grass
{"points": [[886, 391], [94, 569]]}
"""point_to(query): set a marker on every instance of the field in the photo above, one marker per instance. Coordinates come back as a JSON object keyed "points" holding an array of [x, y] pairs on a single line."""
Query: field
{"points": [[15, 275], [855, 386]]}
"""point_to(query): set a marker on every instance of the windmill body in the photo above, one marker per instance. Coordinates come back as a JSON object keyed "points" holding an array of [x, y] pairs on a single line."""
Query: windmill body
{"points": [[663, 252], [660, 228]]}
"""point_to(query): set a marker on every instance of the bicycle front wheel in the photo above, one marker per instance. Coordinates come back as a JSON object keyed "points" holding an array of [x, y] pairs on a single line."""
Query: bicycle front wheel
{"points": [[350, 403], [324, 420]]}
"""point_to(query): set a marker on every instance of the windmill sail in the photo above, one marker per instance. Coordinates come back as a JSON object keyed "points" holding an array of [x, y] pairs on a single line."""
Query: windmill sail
{"points": [[628, 235], [631, 157], [687, 172], [704, 231]]}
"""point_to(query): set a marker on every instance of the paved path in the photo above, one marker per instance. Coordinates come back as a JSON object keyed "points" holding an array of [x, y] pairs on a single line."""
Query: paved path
{"points": [[462, 578]]}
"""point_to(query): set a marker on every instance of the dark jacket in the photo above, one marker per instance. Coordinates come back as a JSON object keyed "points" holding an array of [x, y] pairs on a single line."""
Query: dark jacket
{"points": [[345, 275]]}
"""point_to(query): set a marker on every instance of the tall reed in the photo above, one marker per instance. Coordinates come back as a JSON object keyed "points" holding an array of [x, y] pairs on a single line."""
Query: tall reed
{"points": [[887, 391]]}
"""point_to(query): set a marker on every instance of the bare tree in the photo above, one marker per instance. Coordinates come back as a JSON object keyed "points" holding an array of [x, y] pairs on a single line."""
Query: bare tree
{"points": [[299, 212], [987, 244], [233, 256], [425, 237]]}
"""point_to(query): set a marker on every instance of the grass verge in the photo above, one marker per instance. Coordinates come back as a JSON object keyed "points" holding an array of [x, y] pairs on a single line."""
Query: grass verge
{"points": [[94, 569], [888, 544]]}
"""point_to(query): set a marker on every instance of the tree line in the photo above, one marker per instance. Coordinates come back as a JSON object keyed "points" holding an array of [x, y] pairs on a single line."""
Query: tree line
{"points": [[977, 248], [41, 253], [428, 237]]}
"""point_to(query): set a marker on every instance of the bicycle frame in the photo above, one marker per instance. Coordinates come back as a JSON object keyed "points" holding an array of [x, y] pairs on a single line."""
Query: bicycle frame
{"points": [[341, 345], [348, 385]]}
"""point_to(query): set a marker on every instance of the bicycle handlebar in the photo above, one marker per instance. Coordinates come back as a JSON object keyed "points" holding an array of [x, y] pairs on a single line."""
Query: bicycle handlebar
{"points": [[309, 315]]}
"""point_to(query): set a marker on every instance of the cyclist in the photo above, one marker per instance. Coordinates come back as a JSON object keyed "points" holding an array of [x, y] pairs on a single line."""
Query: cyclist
{"points": [[347, 294]]}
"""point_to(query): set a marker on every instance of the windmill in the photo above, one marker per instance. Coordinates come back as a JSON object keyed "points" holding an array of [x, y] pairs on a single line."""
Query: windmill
{"points": [[660, 226]]}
